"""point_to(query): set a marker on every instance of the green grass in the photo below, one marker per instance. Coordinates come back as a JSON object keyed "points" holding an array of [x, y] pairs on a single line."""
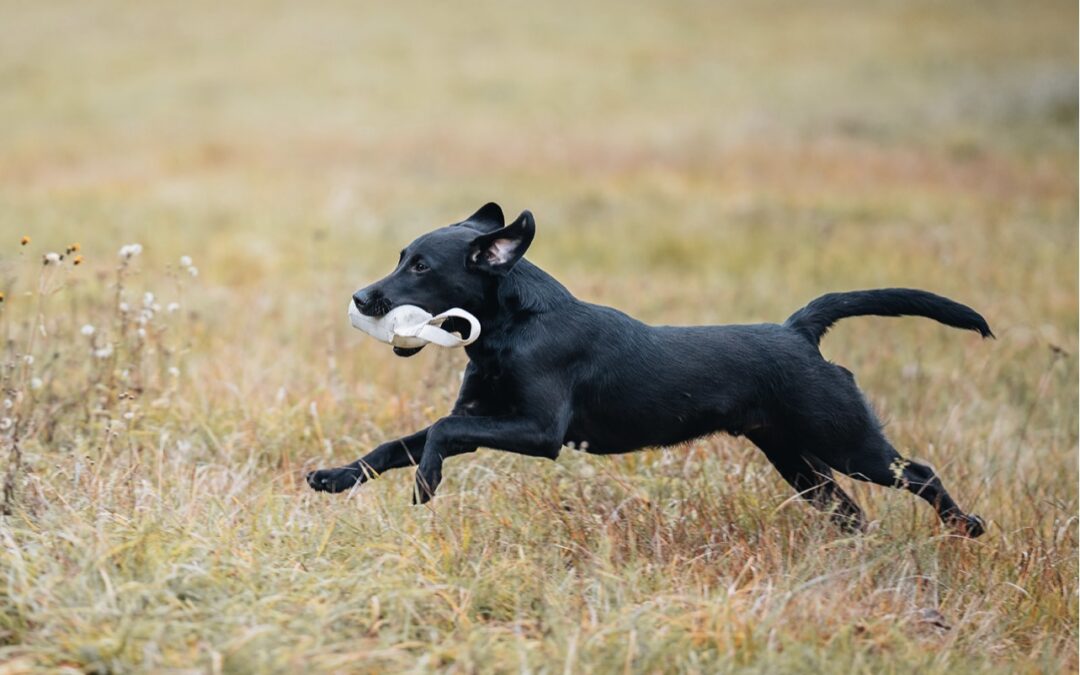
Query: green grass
{"points": [[688, 163]]}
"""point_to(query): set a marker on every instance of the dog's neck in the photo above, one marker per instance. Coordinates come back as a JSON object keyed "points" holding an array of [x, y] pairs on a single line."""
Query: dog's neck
{"points": [[527, 290]]}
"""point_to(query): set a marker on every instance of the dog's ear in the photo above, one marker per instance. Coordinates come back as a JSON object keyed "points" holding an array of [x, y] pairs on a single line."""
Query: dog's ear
{"points": [[497, 252], [488, 219]]}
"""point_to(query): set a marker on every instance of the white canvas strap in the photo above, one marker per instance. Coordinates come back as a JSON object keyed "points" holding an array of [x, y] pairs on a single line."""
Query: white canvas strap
{"points": [[430, 331]]}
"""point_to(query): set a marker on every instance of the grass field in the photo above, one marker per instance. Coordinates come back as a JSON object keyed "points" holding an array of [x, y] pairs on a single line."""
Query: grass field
{"points": [[687, 162]]}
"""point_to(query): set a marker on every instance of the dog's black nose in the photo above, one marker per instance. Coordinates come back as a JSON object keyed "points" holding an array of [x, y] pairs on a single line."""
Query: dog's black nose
{"points": [[360, 299], [371, 303]]}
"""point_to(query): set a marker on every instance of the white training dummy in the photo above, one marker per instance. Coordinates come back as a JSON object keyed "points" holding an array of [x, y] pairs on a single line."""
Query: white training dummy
{"points": [[409, 327]]}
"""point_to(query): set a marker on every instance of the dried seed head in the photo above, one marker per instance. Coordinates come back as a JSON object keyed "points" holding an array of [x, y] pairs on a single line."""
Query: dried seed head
{"points": [[25, 240]]}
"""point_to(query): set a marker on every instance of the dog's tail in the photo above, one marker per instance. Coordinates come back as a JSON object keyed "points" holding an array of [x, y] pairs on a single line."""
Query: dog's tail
{"points": [[814, 320]]}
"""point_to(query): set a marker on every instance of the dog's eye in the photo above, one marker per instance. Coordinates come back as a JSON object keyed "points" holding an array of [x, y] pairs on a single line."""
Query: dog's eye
{"points": [[420, 266]]}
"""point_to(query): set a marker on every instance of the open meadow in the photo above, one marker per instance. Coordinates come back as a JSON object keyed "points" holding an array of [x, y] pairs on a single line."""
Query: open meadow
{"points": [[687, 162]]}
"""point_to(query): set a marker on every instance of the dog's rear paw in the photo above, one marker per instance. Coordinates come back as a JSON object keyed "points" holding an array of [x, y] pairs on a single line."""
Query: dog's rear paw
{"points": [[970, 526], [333, 480]]}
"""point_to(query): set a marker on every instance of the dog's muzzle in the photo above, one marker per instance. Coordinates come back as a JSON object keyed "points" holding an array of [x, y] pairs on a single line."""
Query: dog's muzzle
{"points": [[409, 327]]}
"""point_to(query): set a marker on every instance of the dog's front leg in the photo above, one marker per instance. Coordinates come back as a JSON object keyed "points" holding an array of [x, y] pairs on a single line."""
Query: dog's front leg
{"points": [[391, 455], [454, 435]]}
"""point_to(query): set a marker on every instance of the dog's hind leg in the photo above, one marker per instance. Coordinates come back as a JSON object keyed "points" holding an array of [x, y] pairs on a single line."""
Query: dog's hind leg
{"points": [[813, 480], [878, 462]]}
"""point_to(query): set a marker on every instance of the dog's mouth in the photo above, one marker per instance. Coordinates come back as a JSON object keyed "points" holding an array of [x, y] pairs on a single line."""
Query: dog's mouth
{"points": [[451, 325]]}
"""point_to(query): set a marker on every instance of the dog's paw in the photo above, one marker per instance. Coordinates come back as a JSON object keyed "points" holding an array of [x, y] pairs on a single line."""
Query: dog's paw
{"points": [[967, 526], [426, 484], [333, 480], [970, 526]]}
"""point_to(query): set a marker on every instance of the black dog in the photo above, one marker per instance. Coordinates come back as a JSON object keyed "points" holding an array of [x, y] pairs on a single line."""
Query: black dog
{"points": [[550, 370]]}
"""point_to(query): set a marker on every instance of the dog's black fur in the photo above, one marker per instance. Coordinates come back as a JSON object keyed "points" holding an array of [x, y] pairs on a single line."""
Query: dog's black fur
{"points": [[550, 370]]}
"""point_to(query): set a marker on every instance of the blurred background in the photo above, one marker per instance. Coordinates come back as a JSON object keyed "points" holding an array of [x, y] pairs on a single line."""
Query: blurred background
{"points": [[687, 162]]}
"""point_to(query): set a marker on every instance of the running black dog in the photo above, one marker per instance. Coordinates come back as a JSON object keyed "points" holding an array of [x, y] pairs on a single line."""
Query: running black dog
{"points": [[550, 370]]}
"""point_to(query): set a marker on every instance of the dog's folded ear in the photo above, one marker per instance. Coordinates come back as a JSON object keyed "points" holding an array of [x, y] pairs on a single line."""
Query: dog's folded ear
{"points": [[488, 219], [497, 252]]}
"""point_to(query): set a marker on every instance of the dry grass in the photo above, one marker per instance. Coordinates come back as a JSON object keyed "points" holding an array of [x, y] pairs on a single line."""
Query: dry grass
{"points": [[686, 162]]}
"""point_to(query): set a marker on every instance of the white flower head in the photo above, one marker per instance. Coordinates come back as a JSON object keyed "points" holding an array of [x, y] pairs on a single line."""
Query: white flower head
{"points": [[8, 404], [185, 261], [52, 258], [148, 299], [5, 423], [29, 359], [174, 371], [124, 307], [173, 306], [128, 251], [142, 333], [87, 330], [36, 383], [104, 352], [193, 271]]}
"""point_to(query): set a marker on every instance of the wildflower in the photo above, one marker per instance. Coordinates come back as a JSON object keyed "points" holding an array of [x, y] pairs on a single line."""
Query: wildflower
{"points": [[1, 297], [87, 330], [51, 258], [174, 371], [29, 359], [129, 416], [77, 260], [128, 251], [193, 271], [8, 404], [173, 306], [5, 423], [142, 333], [73, 248], [25, 240], [36, 383], [104, 352], [185, 261], [148, 299], [124, 307]]}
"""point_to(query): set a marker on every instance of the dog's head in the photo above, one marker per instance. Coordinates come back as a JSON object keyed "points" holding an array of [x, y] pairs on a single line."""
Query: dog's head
{"points": [[454, 266]]}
